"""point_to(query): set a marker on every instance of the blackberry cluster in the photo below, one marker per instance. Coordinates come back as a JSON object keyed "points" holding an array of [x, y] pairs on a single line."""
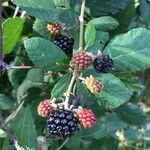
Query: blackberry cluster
{"points": [[62, 123], [103, 64], [65, 43]]}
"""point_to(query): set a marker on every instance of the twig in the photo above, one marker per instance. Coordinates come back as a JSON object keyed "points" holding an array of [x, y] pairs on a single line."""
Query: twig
{"points": [[13, 114], [7, 66], [81, 19], [62, 145], [7, 130], [16, 12]]}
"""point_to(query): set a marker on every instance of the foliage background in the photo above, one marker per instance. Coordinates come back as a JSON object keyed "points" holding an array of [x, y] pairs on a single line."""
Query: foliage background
{"points": [[122, 109]]}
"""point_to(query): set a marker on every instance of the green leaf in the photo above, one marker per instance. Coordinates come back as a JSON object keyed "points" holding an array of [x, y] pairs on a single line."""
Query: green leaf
{"points": [[101, 37], [132, 134], [107, 143], [114, 123], [44, 53], [130, 51], [40, 27], [114, 92], [12, 29], [73, 143], [69, 17], [90, 34], [5, 102], [131, 114], [131, 82], [64, 4], [24, 129], [124, 18], [145, 11], [7, 145], [98, 131], [102, 7], [105, 23], [34, 78], [44, 9], [61, 86], [3, 134]]}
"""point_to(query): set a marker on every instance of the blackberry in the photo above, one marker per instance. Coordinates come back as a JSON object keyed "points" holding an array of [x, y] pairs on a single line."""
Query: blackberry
{"points": [[103, 63], [45, 108], [86, 118], [54, 28], [81, 60], [62, 123], [65, 43], [95, 86]]}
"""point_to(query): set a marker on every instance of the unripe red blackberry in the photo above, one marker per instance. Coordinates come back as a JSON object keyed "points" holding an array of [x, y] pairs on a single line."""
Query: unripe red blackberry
{"points": [[86, 118], [103, 63], [95, 86], [65, 43], [62, 123], [54, 28], [45, 108], [81, 60]]}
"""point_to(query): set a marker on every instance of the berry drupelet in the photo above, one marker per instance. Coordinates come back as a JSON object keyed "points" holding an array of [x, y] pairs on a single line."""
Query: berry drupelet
{"points": [[65, 43], [103, 63], [62, 123]]}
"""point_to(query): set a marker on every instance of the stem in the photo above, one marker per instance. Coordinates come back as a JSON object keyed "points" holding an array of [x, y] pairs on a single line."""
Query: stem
{"points": [[1, 46], [59, 148], [81, 48], [81, 19], [70, 87]]}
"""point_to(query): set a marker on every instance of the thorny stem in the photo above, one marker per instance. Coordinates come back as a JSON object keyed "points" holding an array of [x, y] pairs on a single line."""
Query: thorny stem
{"points": [[81, 47]]}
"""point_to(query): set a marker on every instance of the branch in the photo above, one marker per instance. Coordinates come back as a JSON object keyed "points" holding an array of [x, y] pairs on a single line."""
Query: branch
{"points": [[81, 19]]}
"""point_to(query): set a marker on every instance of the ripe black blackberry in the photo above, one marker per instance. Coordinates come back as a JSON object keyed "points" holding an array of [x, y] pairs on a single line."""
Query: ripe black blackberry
{"points": [[103, 63], [62, 123], [65, 43]]}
